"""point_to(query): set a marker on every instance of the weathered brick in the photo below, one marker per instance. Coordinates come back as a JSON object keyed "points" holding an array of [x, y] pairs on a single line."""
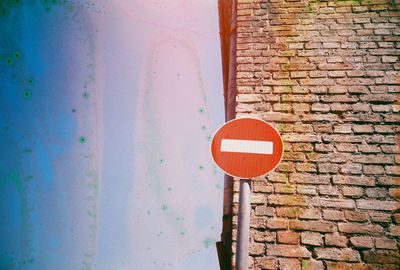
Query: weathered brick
{"points": [[362, 241], [288, 251], [328, 190], [258, 199], [262, 210], [309, 178], [312, 265], [309, 213], [328, 168], [306, 190], [256, 248], [394, 193], [346, 147], [355, 216], [376, 192], [380, 217], [353, 180], [332, 203], [289, 264], [332, 215], [340, 107], [382, 256], [353, 192], [394, 230], [373, 169], [262, 187], [342, 129], [386, 243], [277, 224], [378, 205], [335, 240], [311, 238], [284, 188], [351, 168], [269, 263], [358, 129], [287, 200], [316, 226], [345, 254], [360, 228]]}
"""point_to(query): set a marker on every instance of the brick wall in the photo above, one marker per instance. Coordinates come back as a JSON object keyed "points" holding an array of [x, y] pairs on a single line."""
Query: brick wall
{"points": [[326, 74]]}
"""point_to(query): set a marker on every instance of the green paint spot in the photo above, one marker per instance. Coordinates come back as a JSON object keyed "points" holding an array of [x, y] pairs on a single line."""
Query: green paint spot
{"points": [[178, 219], [161, 160], [305, 264], [82, 139], [215, 172], [31, 81], [73, 110], [85, 94], [4, 12], [209, 138], [169, 189], [164, 207], [27, 94], [203, 127], [206, 243], [93, 186], [17, 56], [218, 186], [201, 110], [182, 233], [201, 167], [29, 177], [148, 212], [27, 150]]}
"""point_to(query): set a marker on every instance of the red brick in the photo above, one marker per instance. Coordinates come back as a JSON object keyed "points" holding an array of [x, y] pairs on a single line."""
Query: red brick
{"points": [[288, 237]]}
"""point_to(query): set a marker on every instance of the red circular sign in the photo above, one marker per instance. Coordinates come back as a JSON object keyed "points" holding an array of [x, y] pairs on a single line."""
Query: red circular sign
{"points": [[247, 148]]}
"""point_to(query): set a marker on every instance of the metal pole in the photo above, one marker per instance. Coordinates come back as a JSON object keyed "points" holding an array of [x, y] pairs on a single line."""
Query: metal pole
{"points": [[243, 231]]}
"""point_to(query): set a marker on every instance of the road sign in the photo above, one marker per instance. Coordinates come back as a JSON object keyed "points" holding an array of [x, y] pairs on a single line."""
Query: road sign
{"points": [[247, 148]]}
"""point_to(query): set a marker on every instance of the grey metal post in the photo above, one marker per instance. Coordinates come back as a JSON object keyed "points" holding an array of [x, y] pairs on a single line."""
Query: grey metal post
{"points": [[243, 231]]}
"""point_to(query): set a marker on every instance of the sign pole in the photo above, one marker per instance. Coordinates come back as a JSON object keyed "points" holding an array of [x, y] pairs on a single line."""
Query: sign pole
{"points": [[243, 230], [246, 148]]}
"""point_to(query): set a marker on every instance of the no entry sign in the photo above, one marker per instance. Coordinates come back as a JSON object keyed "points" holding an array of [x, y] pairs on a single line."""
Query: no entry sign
{"points": [[247, 148]]}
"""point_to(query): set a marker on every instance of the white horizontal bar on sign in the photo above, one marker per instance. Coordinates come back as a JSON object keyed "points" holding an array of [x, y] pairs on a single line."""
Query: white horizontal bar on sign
{"points": [[246, 146]]}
